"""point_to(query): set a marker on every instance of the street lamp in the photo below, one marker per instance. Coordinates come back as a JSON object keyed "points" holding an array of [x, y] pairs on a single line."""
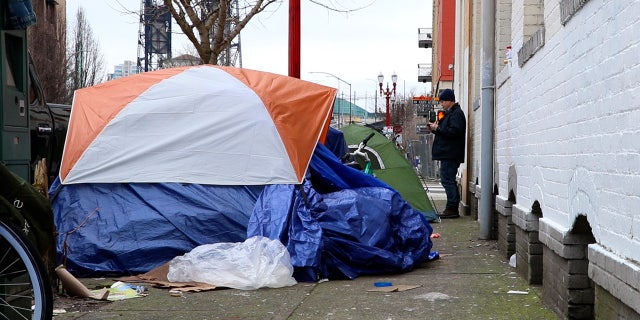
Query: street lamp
{"points": [[333, 75], [387, 93]]}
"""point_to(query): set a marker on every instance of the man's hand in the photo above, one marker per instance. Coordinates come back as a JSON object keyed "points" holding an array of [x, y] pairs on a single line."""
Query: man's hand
{"points": [[432, 126]]}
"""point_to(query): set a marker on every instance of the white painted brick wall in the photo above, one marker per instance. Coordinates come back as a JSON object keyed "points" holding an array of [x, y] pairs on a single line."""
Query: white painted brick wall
{"points": [[575, 106]]}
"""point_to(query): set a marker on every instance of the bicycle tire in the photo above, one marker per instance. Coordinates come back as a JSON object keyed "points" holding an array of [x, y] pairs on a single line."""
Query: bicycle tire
{"points": [[25, 289]]}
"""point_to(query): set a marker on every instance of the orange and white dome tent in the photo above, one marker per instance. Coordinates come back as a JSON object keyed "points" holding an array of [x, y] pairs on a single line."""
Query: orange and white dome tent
{"points": [[202, 124], [159, 163]]}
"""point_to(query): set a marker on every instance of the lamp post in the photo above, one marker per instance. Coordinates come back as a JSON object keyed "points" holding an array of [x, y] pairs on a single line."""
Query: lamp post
{"points": [[387, 93], [333, 75]]}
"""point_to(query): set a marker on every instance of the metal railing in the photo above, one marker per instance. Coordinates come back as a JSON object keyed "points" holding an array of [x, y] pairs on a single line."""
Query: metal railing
{"points": [[420, 154], [425, 38]]}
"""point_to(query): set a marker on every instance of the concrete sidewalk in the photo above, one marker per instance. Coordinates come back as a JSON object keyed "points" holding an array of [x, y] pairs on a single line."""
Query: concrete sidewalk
{"points": [[471, 280]]}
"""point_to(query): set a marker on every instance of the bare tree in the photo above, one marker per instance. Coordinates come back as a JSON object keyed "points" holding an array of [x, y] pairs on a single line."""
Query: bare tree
{"points": [[48, 50], [188, 56], [86, 62], [341, 6], [209, 24], [212, 25], [182, 60]]}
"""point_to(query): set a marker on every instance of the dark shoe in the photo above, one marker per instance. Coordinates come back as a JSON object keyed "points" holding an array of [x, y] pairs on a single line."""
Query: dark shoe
{"points": [[449, 214]]}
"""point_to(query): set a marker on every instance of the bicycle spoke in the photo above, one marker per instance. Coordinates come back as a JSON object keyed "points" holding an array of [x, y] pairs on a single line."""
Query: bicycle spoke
{"points": [[17, 311], [24, 290], [4, 303], [23, 296], [3, 272]]}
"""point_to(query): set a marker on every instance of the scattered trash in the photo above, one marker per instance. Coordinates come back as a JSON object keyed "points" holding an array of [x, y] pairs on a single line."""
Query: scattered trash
{"points": [[433, 255], [394, 288], [517, 292], [175, 293], [512, 260], [75, 288], [383, 284], [158, 278], [122, 290], [59, 311], [255, 263], [118, 291]]}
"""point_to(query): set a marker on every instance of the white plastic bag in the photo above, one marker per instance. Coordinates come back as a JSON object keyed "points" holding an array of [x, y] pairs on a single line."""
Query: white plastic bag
{"points": [[258, 262]]}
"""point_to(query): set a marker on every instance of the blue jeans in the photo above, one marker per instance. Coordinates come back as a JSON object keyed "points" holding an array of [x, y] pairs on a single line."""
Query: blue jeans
{"points": [[448, 170]]}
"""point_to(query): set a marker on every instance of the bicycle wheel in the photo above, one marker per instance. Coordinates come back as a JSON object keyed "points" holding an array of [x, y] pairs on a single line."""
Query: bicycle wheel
{"points": [[25, 290]]}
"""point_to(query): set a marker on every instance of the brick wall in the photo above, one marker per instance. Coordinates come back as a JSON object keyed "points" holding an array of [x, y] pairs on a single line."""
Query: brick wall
{"points": [[609, 307], [568, 120], [506, 229], [566, 286], [560, 275], [619, 277], [529, 256]]}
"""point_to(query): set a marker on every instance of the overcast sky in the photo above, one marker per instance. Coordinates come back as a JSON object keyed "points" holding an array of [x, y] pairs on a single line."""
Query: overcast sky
{"points": [[355, 46]]}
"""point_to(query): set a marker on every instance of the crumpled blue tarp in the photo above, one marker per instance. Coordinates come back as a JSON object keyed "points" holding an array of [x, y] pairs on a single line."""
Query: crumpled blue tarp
{"points": [[336, 142], [344, 224], [360, 226], [106, 229]]}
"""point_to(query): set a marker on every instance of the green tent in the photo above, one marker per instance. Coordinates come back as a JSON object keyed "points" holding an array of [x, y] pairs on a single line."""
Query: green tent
{"points": [[390, 166]]}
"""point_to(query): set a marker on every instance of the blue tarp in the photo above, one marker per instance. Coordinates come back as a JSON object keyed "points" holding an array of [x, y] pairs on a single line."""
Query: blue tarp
{"points": [[360, 226], [336, 142], [341, 223], [115, 229]]}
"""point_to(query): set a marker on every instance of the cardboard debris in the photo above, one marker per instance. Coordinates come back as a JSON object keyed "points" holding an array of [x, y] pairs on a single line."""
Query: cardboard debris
{"points": [[395, 288], [75, 288], [517, 292], [158, 278], [117, 291]]}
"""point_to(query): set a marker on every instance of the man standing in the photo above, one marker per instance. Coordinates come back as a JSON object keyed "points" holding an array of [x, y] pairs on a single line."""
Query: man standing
{"points": [[448, 147]]}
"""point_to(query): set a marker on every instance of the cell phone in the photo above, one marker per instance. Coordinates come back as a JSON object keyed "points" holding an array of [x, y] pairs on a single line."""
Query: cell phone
{"points": [[432, 116]]}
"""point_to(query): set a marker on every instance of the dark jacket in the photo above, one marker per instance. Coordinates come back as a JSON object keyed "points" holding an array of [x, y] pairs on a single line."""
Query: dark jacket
{"points": [[449, 143]]}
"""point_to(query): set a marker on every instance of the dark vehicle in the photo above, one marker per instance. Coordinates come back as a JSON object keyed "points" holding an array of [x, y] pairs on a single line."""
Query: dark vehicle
{"points": [[32, 132], [47, 126]]}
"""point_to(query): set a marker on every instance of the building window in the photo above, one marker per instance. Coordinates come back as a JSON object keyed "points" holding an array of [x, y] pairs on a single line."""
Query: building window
{"points": [[568, 8], [503, 34], [533, 30]]}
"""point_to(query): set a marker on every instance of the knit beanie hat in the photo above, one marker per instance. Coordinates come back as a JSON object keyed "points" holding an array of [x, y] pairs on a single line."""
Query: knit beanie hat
{"points": [[447, 95]]}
